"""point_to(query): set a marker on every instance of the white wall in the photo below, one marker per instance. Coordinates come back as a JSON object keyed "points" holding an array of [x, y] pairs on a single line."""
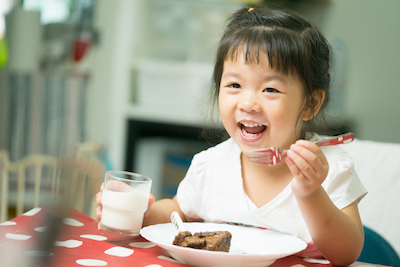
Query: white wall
{"points": [[369, 66], [119, 25], [370, 30]]}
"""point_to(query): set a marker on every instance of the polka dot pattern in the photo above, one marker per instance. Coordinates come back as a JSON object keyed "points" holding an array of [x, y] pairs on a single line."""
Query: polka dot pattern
{"points": [[17, 236], [142, 244], [68, 243], [40, 229], [119, 251], [32, 212], [321, 261], [167, 258], [72, 222], [8, 223], [91, 262], [94, 237], [82, 244]]}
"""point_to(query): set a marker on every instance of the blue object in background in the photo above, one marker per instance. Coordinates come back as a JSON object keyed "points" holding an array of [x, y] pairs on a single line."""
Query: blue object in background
{"points": [[377, 250], [105, 158]]}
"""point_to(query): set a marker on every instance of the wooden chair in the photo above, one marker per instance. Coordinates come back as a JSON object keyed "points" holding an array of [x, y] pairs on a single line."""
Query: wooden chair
{"points": [[88, 150], [81, 181], [4, 166], [47, 180]]}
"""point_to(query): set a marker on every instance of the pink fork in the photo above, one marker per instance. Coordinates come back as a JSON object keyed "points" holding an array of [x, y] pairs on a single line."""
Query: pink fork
{"points": [[273, 156]]}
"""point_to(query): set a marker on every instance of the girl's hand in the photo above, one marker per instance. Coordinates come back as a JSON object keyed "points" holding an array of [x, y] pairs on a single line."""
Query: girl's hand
{"points": [[98, 200], [309, 166]]}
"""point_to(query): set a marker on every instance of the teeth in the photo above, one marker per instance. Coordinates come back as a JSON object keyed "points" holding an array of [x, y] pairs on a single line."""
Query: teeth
{"points": [[248, 134], [251, 124]]}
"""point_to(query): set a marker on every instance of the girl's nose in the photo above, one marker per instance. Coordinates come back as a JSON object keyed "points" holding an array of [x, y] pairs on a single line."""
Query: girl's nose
{"points": [[249, 103]]}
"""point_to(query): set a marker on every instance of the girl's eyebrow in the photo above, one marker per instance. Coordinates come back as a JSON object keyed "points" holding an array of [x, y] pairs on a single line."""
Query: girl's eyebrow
{"points": [[266, 78], [276, 77], [231, 74]]}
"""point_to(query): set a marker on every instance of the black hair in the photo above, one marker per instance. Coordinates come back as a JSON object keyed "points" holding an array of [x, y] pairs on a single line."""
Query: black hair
{"points": [[292, 44]]}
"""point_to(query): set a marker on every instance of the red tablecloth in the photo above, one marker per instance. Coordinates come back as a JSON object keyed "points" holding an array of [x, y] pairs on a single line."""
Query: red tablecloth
{"points": [[82, 244]]}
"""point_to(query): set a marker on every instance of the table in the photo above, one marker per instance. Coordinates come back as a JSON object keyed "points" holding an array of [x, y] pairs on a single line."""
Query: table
{"points": [[81, 244]]}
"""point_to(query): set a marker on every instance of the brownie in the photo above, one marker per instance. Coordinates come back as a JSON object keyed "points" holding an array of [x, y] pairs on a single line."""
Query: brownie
{"points": [[214, 241]]}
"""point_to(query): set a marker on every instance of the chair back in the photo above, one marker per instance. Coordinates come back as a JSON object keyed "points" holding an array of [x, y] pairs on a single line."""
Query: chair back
{"points": [[4, 166], [377, 165], [377, 250], [39, 179]]}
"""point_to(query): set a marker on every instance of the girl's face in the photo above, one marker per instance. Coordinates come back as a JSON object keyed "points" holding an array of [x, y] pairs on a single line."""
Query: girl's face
{"points": [[259, 106]]}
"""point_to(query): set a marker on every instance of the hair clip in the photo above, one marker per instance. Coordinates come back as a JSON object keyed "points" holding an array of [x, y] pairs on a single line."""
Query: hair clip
{"points": [[250, 9]]}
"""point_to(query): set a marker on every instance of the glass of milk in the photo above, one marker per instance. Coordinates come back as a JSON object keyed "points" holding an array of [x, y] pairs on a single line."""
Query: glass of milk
{"points": [[125, 199]]}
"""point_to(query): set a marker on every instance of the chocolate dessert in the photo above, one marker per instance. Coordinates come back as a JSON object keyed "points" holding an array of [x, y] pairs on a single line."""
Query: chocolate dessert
{"points": [[215, 241]]}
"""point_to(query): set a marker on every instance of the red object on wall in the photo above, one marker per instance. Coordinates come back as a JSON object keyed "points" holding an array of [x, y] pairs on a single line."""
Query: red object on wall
{"points": [[81, 47]]}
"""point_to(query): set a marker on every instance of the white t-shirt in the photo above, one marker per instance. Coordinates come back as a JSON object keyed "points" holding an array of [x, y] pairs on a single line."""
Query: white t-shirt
{"points": [[212, 190]]}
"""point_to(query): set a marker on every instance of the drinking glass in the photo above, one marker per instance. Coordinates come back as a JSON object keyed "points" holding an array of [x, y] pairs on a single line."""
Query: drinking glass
{"points": [[125, 200]]}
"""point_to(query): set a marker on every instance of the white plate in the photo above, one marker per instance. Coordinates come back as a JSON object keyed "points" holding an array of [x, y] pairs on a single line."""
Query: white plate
{"points": [[249, 246]]}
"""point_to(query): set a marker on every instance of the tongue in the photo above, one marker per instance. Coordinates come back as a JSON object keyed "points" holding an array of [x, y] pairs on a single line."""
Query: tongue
{"points": [[254, 130]]}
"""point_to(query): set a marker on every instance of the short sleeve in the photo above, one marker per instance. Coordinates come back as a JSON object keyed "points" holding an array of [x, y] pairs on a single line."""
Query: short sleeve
{"points": [[342, 183], [191, 189]]}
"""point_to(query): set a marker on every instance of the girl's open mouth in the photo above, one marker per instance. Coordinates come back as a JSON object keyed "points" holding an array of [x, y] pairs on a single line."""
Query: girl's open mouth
{"points": [[251, 130]]}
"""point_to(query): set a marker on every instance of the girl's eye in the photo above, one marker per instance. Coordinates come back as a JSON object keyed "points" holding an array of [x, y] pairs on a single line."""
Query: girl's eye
{"points": [[270, 90], [234, 86]]}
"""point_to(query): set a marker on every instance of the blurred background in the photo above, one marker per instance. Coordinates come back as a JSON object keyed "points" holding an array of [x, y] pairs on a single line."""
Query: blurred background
{"points": [[133, 76]]}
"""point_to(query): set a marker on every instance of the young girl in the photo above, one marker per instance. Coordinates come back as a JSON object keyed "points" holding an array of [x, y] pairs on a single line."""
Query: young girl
{"points": [[271, 79]]}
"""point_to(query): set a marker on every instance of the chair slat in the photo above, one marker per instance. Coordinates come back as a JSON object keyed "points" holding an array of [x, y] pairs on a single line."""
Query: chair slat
{"points": [[68, 182]]}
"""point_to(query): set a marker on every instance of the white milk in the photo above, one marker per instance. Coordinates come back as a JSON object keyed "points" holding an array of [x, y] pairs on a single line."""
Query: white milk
{"points": [[123, 210]]}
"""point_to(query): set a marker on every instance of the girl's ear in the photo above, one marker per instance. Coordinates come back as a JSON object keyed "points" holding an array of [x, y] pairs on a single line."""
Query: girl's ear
{"points": [[314, 105]]}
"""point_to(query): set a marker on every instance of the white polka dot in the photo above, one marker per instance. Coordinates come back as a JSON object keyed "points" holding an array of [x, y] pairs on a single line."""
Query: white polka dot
{"points": [[167, 258], [68, 243], [91, 262], [32, 212], [142, 244], [17, 236], [40, 229], [38, 253], [7, 223], [72, 222], [119, 251], [154, 265], [94, 237], [321, 261]]}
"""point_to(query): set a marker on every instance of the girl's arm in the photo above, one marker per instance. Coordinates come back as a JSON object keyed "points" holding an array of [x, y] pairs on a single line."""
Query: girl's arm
{"points": [[338, 234], [160, 212]]}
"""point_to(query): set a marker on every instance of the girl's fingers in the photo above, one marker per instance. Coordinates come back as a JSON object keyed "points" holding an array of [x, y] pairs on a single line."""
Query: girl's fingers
{"points": [[308, 165], [293, 168], [310, 152], [98, 212], [98, 201], [98, 197], [151, 199], [299, 167], [311, 155]]}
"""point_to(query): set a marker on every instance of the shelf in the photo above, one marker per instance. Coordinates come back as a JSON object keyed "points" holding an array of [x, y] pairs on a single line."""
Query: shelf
{"points": [[165, 113], [170, 91]]}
